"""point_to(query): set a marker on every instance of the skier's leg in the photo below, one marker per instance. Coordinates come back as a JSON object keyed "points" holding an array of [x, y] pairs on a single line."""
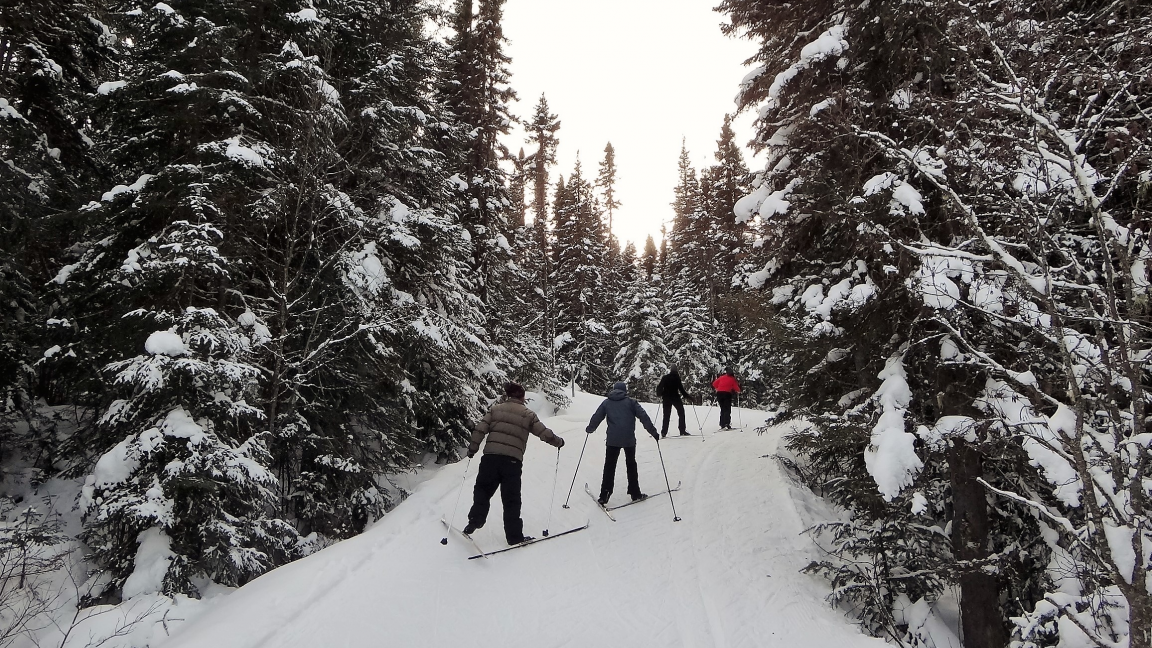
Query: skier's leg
{"points": [[724, 399], [630, 467], [487, 481], [680, 412], [510, 480], [667, 418], [611, 454]]}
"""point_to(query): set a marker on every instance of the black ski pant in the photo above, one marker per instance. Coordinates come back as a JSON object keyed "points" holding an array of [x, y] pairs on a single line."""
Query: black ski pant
{"points": [[668, 405], [499, 471], [724, 399], [611, 455]]}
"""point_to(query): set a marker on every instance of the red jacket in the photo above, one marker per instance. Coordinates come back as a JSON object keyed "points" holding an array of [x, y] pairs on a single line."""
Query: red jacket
{"points": [[726, 383]]}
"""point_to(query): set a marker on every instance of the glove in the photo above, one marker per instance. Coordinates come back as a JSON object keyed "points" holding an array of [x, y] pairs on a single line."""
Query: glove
{"points": [[559, 442], [654, 435], [589, 431], [471, 453]]}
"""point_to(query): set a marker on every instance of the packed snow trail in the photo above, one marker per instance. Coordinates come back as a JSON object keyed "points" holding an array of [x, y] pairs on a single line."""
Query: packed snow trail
{"points": [[727, 575]]}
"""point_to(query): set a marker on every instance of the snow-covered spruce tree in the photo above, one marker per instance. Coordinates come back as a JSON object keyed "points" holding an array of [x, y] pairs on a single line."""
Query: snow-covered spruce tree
{"points": [[838, 269], [643, 357], [584, 342], [1043, 288], [649, 258], [51, 54], [433, 349], [606, 182], [721, 186], [686, 261], [348, 281], [538, 251], [690, 335], [477, 92], [185, 468]]}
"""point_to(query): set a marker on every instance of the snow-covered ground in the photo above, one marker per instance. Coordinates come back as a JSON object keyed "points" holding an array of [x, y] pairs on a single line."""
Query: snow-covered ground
{"points": [[726, 575]]}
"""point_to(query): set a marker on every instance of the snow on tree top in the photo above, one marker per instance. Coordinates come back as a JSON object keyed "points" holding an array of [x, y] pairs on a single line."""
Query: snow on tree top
{"points": [[165, 343]]}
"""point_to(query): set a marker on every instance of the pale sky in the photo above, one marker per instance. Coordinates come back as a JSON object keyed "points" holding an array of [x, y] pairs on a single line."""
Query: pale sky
{"points": [[641, 74]]}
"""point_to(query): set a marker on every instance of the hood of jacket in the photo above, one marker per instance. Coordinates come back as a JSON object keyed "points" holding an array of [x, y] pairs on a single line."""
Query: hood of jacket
{"points": [[619, 391]]}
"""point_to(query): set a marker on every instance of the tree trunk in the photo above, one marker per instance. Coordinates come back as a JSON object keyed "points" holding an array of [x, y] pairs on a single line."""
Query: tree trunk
{"points": [[982, 625], [1139, 613], [981, 622]]}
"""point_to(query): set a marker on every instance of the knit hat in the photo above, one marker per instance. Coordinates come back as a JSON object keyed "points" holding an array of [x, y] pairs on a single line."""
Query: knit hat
{"points": [[513, 390], [621, 386]]}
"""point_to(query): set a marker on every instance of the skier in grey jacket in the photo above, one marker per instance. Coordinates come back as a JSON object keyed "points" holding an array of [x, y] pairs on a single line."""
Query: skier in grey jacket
{"points": [[621, 412]]}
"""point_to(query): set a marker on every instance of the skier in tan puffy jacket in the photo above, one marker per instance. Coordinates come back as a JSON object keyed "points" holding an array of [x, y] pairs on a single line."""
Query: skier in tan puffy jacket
{"points": [[507, 426]]}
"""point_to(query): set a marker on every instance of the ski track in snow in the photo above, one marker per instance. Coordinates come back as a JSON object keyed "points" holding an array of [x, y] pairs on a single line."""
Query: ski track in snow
{"points": [[726, 576]]}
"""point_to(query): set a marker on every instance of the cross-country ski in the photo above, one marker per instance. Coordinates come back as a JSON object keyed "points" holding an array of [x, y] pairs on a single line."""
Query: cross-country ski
{"points": [[529, 542], [646, 498], [601, 506], [469, 539]]}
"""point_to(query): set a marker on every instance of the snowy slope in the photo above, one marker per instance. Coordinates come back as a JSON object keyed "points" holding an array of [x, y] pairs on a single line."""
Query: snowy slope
{"points": [[726, 575]]}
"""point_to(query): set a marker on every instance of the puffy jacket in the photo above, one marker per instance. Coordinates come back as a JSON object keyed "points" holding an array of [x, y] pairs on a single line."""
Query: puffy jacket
{"points": [[726, 383], [507, 426], [621, 413]]}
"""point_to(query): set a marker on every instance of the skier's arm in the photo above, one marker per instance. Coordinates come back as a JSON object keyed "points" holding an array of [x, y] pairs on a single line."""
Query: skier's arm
{"points": [[642, 414], [479, 433], [537, 427], [601, 412], [684, 392]]}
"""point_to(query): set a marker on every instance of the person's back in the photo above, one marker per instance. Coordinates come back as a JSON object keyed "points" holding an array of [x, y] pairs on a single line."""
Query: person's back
{"points": [[670, 389], [507, 426], [726, 386], [621, 413]]}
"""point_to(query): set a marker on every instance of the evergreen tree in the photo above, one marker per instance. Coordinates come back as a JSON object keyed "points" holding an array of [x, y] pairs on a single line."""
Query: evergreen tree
{"points": [[516, 188], [320, 316], [650, 259], [722, 185], [690, 335], [478, 94], [542, 132], [51, 56], [643, 358], [927, 276], [606, 181], [579, 272]]}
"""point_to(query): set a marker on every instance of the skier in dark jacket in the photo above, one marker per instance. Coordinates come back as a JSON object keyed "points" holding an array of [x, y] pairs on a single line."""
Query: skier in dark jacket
{"points": [[507, 426], [621, 413], [726, 387], [670, 389]]}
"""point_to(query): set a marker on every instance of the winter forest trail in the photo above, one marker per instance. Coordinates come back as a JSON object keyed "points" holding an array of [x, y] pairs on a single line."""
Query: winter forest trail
{"points": [[727, 575]]}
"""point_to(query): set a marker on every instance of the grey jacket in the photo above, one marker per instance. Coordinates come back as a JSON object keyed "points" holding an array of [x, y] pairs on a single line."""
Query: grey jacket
{"points": [[621, 413], [507, 426]]}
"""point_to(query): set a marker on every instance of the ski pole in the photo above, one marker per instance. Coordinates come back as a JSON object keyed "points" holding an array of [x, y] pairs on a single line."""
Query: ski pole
{"points": [[698, 424], [458, 494], [739, 415], [576, 471], [667, 484], [552, 501]]}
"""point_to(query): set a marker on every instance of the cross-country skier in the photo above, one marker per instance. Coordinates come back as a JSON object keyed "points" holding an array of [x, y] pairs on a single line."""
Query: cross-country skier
{"points": [[670, 388], [507, 426], [621, 412], [726, 386]]}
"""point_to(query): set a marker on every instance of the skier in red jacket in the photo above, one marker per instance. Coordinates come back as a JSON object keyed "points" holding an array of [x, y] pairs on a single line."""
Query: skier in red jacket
{"points": [[726, 386]]}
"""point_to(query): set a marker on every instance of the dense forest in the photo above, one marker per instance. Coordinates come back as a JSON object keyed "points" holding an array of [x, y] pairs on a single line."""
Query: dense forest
{"points": [[258, 258]]}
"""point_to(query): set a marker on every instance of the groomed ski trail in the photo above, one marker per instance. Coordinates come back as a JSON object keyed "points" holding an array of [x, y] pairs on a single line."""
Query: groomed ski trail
{"points": [[727, 575]]}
